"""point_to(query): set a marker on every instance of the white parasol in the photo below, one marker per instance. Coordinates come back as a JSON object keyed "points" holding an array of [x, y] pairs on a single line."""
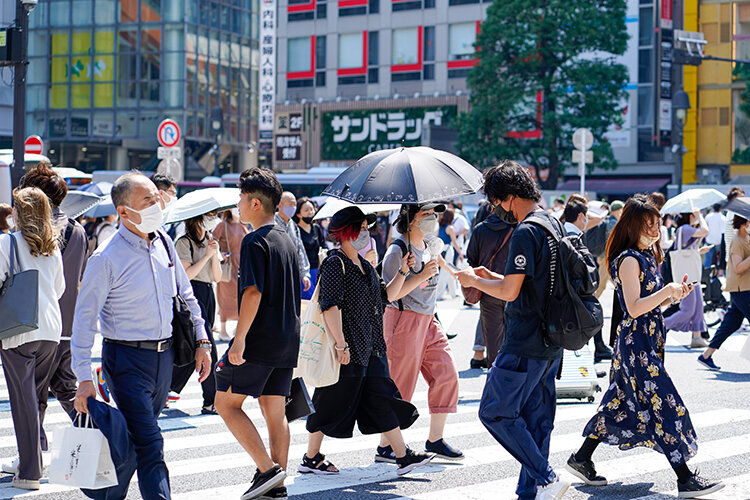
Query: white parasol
{"points": [[201, 202], [333, 205], [687, 201]]}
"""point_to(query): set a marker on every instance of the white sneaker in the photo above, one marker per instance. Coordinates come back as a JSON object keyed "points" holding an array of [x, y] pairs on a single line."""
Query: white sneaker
{"points": [[10, 467], [554, 490]]}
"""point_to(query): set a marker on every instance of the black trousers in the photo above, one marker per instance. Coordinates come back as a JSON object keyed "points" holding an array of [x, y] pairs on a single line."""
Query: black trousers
{"points": [[62, 384], [204, 294]]}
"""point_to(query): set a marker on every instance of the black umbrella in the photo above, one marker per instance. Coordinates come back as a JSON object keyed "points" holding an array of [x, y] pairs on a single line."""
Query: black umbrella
{"points": [[740, 206], [405, 175], [410, 176]]}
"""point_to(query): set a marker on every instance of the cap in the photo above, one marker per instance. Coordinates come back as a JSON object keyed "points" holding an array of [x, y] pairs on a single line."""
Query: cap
{"points": [[616, 205], [350, 216], [409, 210]]}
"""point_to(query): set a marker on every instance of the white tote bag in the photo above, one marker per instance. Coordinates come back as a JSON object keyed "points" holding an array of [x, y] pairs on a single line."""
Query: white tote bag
{"points": [[745, 352], [81, 458], [685, 261], [316, 364]]}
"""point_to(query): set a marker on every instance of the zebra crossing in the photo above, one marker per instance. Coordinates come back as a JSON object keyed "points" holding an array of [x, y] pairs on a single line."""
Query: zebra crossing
{"points": [[205, 461]]}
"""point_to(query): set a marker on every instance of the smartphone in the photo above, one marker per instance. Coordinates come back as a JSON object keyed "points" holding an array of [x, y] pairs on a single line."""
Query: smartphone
{"points": [[693, 283], [453, 269]]}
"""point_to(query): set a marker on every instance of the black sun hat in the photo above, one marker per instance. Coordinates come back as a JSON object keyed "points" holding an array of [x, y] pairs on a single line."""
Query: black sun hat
{"points": [[350, 216]]}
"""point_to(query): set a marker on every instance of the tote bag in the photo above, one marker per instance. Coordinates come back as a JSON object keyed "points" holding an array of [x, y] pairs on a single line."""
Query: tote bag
{"points": [[298, 404], [745, 352], [19, 297], [685, 261], [316, 363], [81, 458]]}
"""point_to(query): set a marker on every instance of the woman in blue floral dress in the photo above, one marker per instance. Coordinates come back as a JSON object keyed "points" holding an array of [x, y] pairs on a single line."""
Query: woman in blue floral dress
{"points": [[641, 406]]}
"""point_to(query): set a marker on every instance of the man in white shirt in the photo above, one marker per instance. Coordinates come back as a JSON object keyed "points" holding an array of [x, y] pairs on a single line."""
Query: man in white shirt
{"points": [[575, 217], [716, 224]]}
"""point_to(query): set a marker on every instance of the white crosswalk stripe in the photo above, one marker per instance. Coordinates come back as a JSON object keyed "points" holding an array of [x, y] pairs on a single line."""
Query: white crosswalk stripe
{"points": [[205, 460]]}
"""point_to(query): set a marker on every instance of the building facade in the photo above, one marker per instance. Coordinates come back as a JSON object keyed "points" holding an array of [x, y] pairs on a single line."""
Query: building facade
{"points": [[7, 14], [382, 60], [104, 73]]}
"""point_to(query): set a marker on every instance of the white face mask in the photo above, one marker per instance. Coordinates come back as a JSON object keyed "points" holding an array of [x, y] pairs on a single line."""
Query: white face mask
{"points": [[289, 211], [151, 218], [429, 225], [235, 214], [362, 240], [210, 223], [171, 201], [648, 241]]}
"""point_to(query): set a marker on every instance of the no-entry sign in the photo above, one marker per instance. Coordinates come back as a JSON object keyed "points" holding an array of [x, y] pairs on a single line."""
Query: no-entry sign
{"points": [[33, 145], [168, 133]]}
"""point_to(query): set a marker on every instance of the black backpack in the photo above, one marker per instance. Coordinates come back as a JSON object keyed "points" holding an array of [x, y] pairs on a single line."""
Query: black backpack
{"points": [[572, 314]]}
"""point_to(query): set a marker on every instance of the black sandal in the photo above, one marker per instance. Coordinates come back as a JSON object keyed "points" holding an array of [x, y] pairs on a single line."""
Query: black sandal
{"points": [[316, 465]]}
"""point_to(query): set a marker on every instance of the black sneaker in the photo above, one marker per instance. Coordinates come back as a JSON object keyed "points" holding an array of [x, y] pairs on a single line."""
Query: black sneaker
{"points": [[705, 335], [696, 487], [708, 363], [443, 450], [584, 471], [263, 482], [385, 454], [276, 493], [602, 353], [411, 461], [475, 364]]}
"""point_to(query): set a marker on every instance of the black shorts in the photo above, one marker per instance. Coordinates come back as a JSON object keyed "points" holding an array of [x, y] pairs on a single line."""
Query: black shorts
{"points": [[251, 379]]}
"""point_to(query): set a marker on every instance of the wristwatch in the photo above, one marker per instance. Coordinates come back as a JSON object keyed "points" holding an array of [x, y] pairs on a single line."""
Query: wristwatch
{"points": [[206, 344]]}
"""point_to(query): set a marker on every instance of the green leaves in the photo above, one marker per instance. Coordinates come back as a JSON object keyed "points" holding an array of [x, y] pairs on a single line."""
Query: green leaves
{"points": [[562, 50]]}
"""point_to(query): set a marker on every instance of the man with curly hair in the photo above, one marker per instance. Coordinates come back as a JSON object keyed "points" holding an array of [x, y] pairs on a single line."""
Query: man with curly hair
{"points": [[518, 403]]}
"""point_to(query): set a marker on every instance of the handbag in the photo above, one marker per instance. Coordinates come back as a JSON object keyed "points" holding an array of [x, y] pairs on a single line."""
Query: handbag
{"points": [[685, 261], [226, 270], [317, 363], [19, 297], [183, 329], [298, 403], [473, 295], [81, 457]]}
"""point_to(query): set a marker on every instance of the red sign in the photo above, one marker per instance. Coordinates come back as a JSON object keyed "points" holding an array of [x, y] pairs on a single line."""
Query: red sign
{"points": [[168, 133], [33, 145]]}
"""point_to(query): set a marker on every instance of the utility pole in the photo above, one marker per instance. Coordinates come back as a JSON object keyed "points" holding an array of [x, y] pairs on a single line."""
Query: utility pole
{"points": [[23, 7]]}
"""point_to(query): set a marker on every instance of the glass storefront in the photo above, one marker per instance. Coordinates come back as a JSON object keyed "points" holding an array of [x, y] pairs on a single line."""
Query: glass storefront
{"points": [[110, 70]]}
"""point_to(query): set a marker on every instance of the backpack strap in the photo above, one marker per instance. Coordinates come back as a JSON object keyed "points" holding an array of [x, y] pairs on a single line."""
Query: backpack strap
{"points": [[502, 245], [402, 246], [68, 234]]}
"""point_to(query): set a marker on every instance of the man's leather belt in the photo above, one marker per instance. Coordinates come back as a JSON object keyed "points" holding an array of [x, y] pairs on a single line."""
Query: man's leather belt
{"points": [[149, 345]]}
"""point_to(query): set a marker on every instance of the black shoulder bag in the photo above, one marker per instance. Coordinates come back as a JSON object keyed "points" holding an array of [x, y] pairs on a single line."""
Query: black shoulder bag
{"points": [[183, 330]]}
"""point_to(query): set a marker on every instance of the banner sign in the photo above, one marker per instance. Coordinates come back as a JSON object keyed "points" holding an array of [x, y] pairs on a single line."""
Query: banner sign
{"points": [[267, 78], [349, 135]]}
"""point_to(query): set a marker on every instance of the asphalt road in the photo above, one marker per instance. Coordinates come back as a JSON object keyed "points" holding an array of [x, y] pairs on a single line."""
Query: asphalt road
{"points": [[206, 462]]}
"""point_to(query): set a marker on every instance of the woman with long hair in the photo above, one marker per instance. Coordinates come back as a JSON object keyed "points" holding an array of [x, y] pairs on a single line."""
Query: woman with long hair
{"points": [[641, 406], [312, 238], [199, 254], [738, 286], [5, 218], [691, 228], [352, 297], [28, 357], [229, 234]]}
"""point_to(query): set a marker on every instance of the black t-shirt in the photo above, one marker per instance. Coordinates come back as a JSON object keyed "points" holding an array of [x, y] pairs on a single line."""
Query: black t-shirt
{"points": [[312, 241], [529, 254], [268, 261]]}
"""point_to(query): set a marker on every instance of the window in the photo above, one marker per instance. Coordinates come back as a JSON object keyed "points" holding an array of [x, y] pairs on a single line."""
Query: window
{"points": [[298, 55], [405, 46], [461, 38], [645, 65], [399, 5], [429, 43], [320, 52], [461, 2], [646, 26], [304, 10], [373, 48], [350, 50]]}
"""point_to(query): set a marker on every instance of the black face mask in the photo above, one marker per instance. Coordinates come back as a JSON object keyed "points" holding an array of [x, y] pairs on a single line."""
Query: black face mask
{"points": [[504, 215], [307, 220]]}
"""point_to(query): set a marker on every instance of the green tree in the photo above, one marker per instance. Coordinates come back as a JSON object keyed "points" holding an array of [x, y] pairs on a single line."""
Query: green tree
{"points": [[562, 50]]}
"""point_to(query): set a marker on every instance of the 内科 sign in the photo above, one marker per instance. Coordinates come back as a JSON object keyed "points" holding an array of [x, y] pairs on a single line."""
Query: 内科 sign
{"points": [[267, 77]]}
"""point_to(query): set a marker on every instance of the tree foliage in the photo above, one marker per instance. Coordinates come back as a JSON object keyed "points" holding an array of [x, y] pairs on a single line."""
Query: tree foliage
{"points": [[562, 49]]}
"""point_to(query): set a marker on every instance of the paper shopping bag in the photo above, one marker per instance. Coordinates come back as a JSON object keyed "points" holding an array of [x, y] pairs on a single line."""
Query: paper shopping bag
{"points": [[745, 352], [81, 458]]}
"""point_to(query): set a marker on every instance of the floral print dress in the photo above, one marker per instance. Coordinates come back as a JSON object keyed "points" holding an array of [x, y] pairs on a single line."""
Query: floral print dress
{"points": [[642, 406]]}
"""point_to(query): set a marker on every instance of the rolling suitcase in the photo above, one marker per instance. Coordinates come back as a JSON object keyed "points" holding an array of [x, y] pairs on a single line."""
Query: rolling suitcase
{"points": [[578, 379]]}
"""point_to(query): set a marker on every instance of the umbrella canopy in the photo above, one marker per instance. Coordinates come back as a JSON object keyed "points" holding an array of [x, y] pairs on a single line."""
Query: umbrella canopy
{"points": [[333, 205], [98, 188], [103, 209], [687, 201], [76, 203], [740, 206], [201, 202], [405, 176]]}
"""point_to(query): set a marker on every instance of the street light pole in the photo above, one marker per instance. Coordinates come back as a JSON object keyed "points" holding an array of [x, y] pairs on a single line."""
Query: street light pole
{"points": [[19, 92], [680, 105]]}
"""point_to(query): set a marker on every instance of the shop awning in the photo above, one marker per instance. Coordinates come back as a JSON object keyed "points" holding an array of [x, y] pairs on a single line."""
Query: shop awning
{"points": [[617, 187]]}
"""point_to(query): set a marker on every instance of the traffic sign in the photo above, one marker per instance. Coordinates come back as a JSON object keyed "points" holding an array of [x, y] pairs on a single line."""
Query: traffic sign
{"points": [[167, 153], [168, 133], [33, 145], [588, 156], [583, 139]]}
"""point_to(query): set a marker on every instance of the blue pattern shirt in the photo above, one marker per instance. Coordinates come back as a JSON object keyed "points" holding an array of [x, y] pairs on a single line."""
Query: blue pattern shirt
{"points": [[128, 287]]}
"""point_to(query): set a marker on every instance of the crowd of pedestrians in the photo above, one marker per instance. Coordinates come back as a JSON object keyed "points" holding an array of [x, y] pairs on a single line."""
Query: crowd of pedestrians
{"points": [[378, 281]]}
